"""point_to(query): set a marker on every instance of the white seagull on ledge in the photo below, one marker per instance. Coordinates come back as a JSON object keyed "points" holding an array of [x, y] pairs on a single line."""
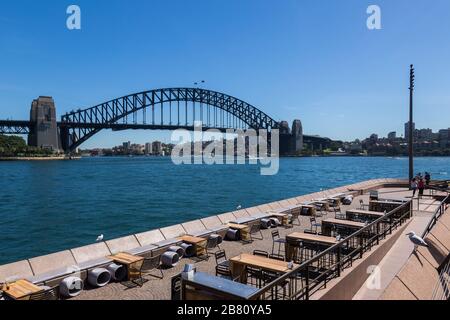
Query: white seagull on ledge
{"points": [[99, 238], [418, 241]]}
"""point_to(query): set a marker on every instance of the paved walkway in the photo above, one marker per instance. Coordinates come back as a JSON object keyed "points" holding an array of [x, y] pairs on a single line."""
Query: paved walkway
{"points": [[399, 254]]}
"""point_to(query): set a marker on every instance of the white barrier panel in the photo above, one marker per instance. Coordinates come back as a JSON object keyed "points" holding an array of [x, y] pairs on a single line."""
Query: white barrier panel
{"points": [[117, 272], [71, 287], [99, 277]]}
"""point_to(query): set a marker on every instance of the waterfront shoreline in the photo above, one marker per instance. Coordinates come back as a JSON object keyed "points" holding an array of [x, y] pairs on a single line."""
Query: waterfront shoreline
{"points": [[52, 158]]}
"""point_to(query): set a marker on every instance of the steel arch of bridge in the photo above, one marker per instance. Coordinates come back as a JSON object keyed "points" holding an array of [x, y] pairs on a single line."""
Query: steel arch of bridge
{"points": [[77, 127]]}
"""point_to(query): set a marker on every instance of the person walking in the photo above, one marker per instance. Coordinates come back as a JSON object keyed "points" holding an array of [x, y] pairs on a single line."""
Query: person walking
{"points": [[421, 186], [414, 186]]}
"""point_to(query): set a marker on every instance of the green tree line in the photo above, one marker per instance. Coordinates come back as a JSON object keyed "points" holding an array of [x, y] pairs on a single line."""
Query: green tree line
{"points": [[13, 146]]}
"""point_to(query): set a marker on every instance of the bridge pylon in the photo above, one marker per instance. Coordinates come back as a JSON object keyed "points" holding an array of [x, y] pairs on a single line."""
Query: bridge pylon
{"points": [[44, 131]]}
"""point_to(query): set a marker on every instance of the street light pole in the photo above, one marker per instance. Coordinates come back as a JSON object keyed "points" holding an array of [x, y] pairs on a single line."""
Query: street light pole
{"points": [[411, 131]]}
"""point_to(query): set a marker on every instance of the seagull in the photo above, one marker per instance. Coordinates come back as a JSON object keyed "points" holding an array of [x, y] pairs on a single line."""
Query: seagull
{"points": [[239, 207], [418, 241], [99, 238]]}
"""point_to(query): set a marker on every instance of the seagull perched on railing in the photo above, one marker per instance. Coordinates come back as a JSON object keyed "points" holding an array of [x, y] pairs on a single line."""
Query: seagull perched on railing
{"points": [[99, 238], [418, 241]]}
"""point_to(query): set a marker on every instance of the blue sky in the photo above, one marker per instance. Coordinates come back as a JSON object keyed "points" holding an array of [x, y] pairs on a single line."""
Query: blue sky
{"points": [[312, 60]]}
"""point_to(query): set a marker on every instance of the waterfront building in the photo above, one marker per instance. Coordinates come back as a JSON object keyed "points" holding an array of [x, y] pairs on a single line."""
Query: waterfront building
{"points": [[157, 148], [148, 148], [392, 135], [407, 129]]}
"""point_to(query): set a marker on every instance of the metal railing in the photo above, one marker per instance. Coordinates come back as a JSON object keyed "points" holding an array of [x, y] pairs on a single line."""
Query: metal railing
{"points": [[314, 274], [439, 212]]}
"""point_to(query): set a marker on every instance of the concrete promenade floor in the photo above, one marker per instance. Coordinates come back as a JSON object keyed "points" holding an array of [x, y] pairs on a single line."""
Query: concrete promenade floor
{"points": [[156, 289]]}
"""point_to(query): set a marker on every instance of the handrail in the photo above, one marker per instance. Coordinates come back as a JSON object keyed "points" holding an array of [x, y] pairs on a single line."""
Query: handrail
{"points": [[335, 248], [437, 214]]}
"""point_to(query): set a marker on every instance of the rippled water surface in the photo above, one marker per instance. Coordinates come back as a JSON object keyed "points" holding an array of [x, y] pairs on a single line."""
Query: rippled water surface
{"points": [[51, 206]]}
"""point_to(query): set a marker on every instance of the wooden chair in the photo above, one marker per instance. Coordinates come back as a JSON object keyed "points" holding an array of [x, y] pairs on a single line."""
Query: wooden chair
{"points": [[48, 294]]}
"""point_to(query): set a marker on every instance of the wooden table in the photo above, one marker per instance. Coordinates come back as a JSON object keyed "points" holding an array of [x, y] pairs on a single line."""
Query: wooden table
{"points": [[327, 225], [198, 243], [244, 230], [355, 214], [283, 217], [133, 263], [21, 290], [308, 238], [238, 265], [322, 203], [308, 210]]}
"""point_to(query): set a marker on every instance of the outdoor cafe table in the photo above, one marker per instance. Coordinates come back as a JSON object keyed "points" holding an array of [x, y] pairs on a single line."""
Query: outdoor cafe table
{"points": [[133, 263], [238, 265], [198, 243], [21, 290], [306, 238], [355, 215], [283, 217], [328, 224], [308, 210], [244, 230]]}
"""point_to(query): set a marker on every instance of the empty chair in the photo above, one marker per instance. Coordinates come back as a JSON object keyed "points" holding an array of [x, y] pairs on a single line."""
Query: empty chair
{"points": [[277, 257], [269, 277], [339, 215], [47, 294], [147, 267], [255, 229], [255, 276], [221, 259], [277, 240], [314, 226], [211, 244], [295, 217], [261, 253], [176, 287], [362, 205], [225, 273]]}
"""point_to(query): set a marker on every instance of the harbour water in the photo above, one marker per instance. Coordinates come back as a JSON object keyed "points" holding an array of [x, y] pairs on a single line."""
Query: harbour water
{"points": [[52, 206]]}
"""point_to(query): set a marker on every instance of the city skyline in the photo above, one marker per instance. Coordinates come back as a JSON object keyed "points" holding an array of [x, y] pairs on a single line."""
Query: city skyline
{"points": [[295, 68]]}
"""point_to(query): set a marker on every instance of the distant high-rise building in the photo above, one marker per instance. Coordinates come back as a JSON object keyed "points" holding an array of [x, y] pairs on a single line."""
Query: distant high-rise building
{"points": [[407, 129], [444, 138], [157, 148], [148, 148], [127, 146], [425, 134], [392, 135]]}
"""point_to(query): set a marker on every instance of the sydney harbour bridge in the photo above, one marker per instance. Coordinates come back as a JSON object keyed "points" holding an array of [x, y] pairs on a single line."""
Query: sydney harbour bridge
{"points": [[159, 109]]}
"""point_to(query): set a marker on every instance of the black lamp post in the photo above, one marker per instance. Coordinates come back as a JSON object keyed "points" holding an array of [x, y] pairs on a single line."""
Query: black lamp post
{"points": [[411, 131]]}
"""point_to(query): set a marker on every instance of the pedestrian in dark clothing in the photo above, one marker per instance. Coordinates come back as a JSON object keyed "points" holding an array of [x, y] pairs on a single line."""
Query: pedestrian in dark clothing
{"points": [[421, 186]]}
